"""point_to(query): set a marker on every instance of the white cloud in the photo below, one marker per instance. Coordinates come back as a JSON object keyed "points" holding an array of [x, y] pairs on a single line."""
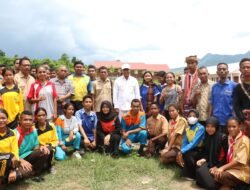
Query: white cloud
{"points": [[152, 31]]}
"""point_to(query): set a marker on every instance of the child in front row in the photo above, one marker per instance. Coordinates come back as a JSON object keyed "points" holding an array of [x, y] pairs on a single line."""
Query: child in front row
{"points": [[68, 130], [237, 170], [213, 154], [157, 127], [176, 129], [88, 122], [47, 136], [191, 145]]}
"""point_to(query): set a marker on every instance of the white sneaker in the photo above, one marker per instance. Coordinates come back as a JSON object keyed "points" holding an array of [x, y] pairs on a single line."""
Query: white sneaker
{"points": [[52, 170], [77, 155]]}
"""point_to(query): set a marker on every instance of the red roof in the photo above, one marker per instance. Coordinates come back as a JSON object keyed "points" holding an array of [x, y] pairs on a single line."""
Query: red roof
{"points": [[134, 65]]}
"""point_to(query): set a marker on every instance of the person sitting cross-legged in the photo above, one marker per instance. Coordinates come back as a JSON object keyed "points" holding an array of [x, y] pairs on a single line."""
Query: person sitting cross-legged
{"points": [[133, 128], [32, 156], [157, 127]]}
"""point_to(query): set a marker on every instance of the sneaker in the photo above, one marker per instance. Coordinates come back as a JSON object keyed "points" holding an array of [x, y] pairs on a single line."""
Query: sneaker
{"points": [[77, 155], [52, 170]]}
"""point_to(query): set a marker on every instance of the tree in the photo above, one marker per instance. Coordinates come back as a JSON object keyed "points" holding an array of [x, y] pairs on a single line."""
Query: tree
{"points": [[2, 54]]}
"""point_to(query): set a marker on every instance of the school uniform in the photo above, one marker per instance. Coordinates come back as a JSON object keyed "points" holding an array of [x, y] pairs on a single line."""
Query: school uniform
{"points": [[8, 149], [155, 127], [178, 127], [88, 122], [238, 151], [27, 142], [12, 99], [48, 137]]}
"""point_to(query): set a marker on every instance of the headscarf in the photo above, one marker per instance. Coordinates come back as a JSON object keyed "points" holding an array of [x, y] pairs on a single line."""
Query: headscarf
{"points": [[213, 143], [109, 116]]}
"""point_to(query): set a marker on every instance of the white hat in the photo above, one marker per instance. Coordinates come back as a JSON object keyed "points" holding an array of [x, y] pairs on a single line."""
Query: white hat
{"points": [[125, 66]]}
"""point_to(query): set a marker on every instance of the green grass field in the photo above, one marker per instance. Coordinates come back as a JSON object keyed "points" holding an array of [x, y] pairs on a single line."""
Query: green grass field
{"points": [[101, 172]]}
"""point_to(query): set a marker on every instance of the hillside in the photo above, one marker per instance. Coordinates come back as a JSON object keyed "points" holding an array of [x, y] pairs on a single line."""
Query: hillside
{"points": [[213, 59]]}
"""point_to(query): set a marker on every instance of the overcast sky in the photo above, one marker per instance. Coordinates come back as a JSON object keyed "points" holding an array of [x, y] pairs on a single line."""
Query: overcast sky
{"points": [[151, 31]]}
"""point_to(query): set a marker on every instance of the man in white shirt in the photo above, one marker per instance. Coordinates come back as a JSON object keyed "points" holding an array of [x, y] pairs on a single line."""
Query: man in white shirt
{"points": [[126, 88]]}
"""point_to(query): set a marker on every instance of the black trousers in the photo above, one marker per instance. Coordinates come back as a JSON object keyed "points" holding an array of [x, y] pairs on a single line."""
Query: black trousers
{"points": [[37, 160], [190, 158], [5, 165], [77, 105], [204, 179], [113, 143]]}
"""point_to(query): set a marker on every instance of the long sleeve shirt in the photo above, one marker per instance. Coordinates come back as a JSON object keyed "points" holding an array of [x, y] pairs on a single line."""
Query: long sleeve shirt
{"points": [[193, 137], [124, 91]]}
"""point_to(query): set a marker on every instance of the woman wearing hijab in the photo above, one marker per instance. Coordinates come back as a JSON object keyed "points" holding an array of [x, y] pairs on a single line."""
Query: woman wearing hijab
{"points": [[213, 154], [108, 129]]}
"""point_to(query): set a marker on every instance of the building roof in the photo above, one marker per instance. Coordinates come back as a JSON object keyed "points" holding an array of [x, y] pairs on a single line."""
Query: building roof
{"points": [[134, 65]]}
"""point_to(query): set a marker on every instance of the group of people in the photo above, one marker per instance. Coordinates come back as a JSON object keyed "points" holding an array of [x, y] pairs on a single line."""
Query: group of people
{"points": [[200, 125]]}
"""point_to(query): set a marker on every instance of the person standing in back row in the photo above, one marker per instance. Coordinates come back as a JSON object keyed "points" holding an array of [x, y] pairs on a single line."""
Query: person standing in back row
{"points": [[81, 83], [126, 88], [102, 89], [188, 83], [222, 97]]}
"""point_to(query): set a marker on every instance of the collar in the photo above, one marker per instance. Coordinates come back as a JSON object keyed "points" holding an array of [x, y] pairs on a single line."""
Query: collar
{"points": [[91, 113], [125, 78], [83, 75], [100, 80], [173, 122], [58, 80], [157, 117], [226, 82], [22, 75], [46, 83]]}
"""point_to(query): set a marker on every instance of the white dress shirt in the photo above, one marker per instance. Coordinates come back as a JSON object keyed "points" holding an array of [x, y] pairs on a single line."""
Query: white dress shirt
{"points": [[124, 91]]}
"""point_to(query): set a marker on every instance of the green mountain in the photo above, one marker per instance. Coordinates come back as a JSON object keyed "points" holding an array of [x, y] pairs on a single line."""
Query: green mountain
{"points": [[213, 59]]}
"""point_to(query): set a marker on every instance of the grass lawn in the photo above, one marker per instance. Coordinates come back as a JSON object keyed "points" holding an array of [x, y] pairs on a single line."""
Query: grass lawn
{"points": [[101, 172]]}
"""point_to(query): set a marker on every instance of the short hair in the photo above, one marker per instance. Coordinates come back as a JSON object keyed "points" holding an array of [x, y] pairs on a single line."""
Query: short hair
{"points": [[8, 69], [222, 63], [185, 68], [52, 69], [135, 101], [24, 59], [244, 60], [202, 67], [102, 68], [4, 112], [79, 62], [156, 104], [161, 74], [25, 112], [2, 65], [17, 59], [40, 109], [92, 67], [86, 97]]}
